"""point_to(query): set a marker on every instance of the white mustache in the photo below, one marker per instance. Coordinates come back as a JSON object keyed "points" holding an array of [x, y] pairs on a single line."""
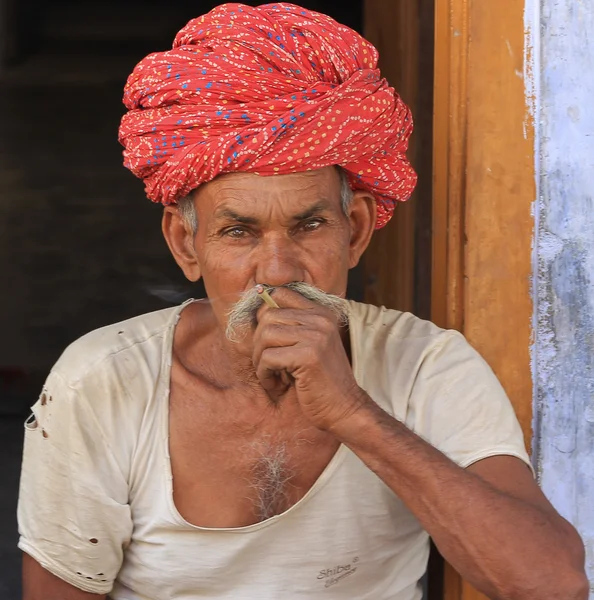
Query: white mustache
{"points": [[243, 314]]}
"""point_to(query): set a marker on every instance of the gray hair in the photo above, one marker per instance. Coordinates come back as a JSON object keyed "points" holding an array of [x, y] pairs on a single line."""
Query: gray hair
{"points": [[187, 210]]}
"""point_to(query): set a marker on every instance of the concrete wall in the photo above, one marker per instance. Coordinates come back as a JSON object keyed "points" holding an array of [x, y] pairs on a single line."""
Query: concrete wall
{"points": [[563, 352]]}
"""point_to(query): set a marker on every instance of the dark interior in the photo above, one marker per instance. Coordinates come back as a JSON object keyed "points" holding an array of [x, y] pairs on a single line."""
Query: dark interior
{"points": [[80, 246]]}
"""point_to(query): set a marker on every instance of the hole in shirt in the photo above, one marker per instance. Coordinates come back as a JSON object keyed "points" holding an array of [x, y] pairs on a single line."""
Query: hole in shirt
{"points": [[88, 578], [94, 541], [45, 433], [100, 574], [31, 423], [43, 399]]}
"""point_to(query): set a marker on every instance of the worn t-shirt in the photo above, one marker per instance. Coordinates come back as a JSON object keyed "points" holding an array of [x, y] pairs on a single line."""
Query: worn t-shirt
{"points": [[96, 501]]}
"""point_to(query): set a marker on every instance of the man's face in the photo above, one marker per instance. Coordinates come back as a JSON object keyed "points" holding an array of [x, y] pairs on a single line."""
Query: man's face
{"points": [[274, 231]]}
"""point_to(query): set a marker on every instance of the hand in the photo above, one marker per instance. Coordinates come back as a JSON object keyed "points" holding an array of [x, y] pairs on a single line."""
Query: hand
{"points": [[299, 344]]}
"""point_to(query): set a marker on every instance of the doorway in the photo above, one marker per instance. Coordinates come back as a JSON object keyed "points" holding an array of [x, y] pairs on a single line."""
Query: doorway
{"points": [[419, 263], [63, 67]]}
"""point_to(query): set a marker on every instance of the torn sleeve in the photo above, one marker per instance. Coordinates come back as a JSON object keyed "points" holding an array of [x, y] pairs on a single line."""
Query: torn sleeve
{"points": [[73, 512]]}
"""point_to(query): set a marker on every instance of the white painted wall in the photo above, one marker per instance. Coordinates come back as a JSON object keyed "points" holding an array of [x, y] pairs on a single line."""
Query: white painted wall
{"points": [[560, 88]]}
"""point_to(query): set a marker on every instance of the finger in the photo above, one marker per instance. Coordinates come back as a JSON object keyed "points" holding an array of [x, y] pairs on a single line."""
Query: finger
{"points": [[266, 296], [273, 363], [293, 317], [275, 386], [290, 299], [287, 378], [289, 327], [271, 314], [274, 335], [286, 358], [287, 298]]}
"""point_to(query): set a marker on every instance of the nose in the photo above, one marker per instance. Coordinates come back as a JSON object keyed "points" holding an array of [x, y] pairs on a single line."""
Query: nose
{"points": [[278, 262]]}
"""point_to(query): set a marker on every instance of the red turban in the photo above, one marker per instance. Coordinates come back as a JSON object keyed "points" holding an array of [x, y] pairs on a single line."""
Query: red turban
{"points": [[269, 90]]}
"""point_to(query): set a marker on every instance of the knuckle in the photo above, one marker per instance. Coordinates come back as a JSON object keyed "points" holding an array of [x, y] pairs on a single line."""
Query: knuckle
{"points": [[323, 321], [317, 336], [323, 327], [311, 355], [265, 326], [264, 317], [272, 331], [269, 356]]}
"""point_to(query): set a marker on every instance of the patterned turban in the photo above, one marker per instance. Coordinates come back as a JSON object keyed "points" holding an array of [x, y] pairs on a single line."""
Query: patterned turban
{"points": [[269, 90]]}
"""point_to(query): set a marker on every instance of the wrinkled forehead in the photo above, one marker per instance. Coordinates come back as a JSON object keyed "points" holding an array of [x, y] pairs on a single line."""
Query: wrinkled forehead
{"points": [[248, 192]]}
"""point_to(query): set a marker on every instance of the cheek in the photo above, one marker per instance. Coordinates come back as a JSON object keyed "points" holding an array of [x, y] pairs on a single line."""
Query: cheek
{"points": [[330, 251], [326, 259], [223, 266], [328, 264]]}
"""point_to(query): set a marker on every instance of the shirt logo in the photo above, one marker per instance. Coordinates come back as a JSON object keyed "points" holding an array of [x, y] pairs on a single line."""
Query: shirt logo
{"points": [[333, 575]]}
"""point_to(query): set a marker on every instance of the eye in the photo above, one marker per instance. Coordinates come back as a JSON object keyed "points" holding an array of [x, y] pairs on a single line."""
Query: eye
{"points": [[236, 232], [312, 224]]}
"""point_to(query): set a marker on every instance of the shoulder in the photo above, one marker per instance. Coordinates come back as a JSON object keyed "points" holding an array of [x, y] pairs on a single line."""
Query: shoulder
{"points": [[380, 327], [437, 384], [109, 377], [126, 348], [418, 351], [99, 392], [397, 351]]}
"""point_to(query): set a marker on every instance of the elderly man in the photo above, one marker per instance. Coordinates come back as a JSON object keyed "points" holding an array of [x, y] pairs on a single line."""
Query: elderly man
{"points": [[275, 440]]}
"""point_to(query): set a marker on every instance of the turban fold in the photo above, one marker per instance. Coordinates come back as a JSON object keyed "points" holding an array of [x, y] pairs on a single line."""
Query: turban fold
{"points": [[269, 90]]}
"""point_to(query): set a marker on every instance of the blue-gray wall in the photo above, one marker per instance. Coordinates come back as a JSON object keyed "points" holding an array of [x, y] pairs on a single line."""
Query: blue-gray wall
{"points": [[563, 353]]}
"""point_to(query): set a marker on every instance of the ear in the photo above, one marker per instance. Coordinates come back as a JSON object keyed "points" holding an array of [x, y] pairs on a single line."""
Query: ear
{"points": [[180, 239], [362, 217]]}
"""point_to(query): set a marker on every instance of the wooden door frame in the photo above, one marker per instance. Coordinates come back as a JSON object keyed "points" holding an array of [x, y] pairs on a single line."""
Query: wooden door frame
{"points": [[484, 191], [484, 188]]}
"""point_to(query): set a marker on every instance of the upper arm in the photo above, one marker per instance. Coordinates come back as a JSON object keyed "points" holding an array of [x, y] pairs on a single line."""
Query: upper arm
{"points": [[73, 512], [40, 584], [511, 476], [458, 405]]}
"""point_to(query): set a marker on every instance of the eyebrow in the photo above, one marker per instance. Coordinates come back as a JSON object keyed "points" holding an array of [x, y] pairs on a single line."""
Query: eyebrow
{"points": [[317, 208], [233, 216]]}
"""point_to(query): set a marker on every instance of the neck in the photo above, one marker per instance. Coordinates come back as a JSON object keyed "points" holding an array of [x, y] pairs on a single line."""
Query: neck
{"points": [[238, 360]]}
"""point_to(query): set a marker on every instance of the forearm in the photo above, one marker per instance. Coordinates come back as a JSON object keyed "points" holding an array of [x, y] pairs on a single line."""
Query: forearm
{"points": [[506, 547]]}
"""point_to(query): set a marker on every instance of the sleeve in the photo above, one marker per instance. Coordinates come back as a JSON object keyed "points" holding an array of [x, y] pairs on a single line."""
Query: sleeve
{"points": [[458, 405], [73, 512]]}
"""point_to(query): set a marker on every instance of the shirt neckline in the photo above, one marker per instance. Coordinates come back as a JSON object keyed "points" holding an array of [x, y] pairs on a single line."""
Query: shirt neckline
{"points": [[320, 482]]}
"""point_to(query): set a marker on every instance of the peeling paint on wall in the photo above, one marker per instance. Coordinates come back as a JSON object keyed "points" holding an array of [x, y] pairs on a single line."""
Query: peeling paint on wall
{"points": [[560, 88], [531, 64]]}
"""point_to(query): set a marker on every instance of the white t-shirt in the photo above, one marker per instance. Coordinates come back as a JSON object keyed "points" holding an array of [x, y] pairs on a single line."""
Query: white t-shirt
{"points": [[96, 500]]}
